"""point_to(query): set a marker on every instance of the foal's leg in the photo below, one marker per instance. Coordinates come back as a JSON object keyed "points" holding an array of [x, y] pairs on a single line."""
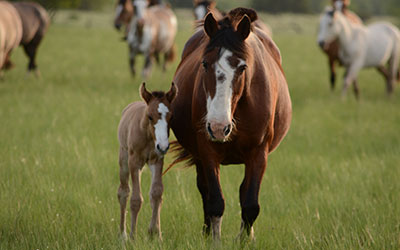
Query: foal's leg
{"points": [[256, 163], [123, 190], [135, 167], [156, 192], [331, 62]]}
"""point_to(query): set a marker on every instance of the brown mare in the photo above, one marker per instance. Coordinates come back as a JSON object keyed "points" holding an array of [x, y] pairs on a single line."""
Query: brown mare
{"points": [[202, 7], [332, 49], [143, 137], [10, 33], [35, 22], [233, 107]]}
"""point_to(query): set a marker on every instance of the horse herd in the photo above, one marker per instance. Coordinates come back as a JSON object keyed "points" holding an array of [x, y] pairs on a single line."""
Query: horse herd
{"points": [[229, 101]]}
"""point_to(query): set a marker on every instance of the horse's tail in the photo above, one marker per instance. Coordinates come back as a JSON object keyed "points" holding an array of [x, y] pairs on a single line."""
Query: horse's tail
{"points": [[180, 155], [171, 54]]}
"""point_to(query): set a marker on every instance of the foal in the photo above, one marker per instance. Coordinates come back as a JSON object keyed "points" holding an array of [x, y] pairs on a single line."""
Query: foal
{"points": [[143, 138]]}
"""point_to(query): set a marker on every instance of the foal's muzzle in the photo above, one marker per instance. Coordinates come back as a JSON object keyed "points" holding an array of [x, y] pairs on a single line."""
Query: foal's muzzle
{"points": [[321, 44], [162, 150]]}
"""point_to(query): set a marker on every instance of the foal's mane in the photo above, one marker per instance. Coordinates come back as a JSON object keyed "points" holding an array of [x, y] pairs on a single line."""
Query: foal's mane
{"points": [[226, 36]]}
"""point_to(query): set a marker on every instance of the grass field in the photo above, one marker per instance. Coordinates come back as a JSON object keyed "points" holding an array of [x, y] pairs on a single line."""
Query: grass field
{"points": [[334, 183]]}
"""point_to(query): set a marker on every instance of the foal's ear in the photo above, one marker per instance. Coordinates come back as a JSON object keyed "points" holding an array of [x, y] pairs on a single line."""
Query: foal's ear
{"points": [[244, 27], [146, 95], [171, 94], [210, 25]]}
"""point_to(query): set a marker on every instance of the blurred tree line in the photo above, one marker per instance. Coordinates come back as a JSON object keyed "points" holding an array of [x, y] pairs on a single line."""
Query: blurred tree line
{"points": [[365, 8]]}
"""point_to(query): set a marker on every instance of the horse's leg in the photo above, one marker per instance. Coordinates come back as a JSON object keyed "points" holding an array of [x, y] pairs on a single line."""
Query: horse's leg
{"points": [[393, 70], [256, 163], [350, 76], [356, 90], [135, 166], [203, 189], [213, 202], [331, 62], [147, 66], [383, 71], [123, 190], [156, 192], [132, 56], [30, 50]]}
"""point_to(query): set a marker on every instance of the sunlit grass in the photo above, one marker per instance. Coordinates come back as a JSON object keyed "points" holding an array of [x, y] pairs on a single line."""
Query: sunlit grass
{"points": [[332, 184]]}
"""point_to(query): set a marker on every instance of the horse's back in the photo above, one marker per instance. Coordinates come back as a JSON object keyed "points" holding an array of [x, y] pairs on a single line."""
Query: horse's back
{"points": [[35, 20], [130, 121], [10, 29], [167, 26]]}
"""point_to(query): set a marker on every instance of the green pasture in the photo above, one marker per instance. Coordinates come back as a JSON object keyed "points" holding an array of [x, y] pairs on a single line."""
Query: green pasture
{"points": [[334, 182]]}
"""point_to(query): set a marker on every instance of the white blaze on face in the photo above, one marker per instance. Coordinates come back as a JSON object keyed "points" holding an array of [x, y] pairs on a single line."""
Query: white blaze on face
{"points": [[161, 128], [339, 5], [219, 106], [140, 6], [200, 11]]}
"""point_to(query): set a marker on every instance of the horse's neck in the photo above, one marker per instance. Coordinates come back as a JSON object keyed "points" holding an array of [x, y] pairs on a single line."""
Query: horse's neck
{"points": [[347, 31]]}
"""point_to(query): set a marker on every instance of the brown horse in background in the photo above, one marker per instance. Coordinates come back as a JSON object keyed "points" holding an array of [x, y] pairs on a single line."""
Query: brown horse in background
{"points": [[10, 33], [35, 22], [233, 107], [332, 49], [202, 7]]}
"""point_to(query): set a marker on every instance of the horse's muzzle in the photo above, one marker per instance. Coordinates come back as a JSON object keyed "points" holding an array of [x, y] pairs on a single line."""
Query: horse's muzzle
{"points": [[219, 131], [321, 44], [117, 26]]}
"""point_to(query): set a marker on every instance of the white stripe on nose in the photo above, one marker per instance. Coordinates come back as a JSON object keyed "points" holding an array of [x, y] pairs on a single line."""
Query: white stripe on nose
{"points": [[161, 129]]}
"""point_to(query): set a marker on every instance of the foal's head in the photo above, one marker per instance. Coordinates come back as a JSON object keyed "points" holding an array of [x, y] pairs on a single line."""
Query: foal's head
{"points": [[123, 13], [223, 72], [329, 27], [158, 115], [201, 8]]}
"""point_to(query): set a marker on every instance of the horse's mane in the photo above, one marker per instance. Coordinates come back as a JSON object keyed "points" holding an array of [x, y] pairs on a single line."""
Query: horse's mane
{"points": [[226, 36]]}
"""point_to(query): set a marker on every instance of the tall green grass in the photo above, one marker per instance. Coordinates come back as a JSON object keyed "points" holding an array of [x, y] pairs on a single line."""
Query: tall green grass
{"points": [[332, 184]]}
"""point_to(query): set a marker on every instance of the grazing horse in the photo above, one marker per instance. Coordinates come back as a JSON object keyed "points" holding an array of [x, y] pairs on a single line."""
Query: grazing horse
{"points": [[124, 12], [362, 46], [152, 32], [35, 22], [143, 138], [203, 7], [234, 107], [332, 49], [10, 32]]}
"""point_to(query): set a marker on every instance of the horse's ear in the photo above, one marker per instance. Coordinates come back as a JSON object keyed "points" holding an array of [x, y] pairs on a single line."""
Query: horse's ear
{"points": [[171, 94], [210, 25], [244, 27], [146, 95]]}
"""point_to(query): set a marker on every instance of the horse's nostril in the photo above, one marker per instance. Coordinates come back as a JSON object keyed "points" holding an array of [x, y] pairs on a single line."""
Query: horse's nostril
{"points": [[158, 147], [227, 130], [321, 44], [209, 130]]}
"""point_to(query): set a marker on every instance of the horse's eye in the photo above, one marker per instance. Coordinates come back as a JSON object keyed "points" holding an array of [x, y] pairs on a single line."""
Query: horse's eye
{"points": [[150, 118], [205, 64]]}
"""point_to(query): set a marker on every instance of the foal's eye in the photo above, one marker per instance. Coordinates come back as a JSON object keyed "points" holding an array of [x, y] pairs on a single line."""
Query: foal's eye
{"points": [[242, 68], [205, 65], [150, 118]]}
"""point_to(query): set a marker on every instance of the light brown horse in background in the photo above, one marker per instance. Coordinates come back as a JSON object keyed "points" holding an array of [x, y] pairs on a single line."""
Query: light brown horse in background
{"points": [[35, 22], [143, 138], [10, 33], [332, 49], [152, 32], [202, 7], [233, 107]]}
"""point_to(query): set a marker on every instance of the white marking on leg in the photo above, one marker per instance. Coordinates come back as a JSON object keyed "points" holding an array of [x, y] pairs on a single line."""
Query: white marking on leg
{"points": [[161, 128], [216, 227]]}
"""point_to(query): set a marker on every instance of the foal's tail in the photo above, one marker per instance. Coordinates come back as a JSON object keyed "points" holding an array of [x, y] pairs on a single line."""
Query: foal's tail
{"points": [[180, 155]]}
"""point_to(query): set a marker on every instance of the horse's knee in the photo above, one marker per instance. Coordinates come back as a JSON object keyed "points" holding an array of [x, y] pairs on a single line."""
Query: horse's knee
{"points": [[216, 207], [156, 192], [250, 213], [136, 203], [123, 193]]}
